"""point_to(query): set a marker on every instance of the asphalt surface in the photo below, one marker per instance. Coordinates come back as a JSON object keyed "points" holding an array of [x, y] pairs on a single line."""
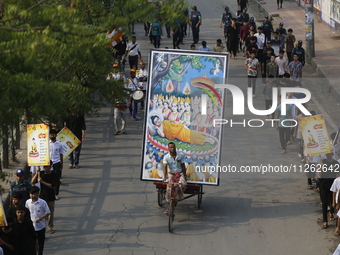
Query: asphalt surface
{"points": [[105, 209]]}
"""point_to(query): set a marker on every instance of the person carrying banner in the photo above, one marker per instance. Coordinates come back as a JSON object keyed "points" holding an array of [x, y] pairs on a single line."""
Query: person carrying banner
{"points": [[48, 181], [56, 156], [76, 123]]}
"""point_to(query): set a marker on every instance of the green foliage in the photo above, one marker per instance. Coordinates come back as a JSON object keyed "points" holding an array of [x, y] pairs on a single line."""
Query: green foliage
{"points": [[55, 54]]}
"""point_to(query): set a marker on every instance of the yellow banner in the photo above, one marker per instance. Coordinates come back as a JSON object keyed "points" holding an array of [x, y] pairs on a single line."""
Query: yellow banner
{"points": [[314, 133], [3, 221], [38, 152], [68, 140]]}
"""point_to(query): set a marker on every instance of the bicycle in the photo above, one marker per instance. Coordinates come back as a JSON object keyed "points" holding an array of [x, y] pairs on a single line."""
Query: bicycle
{"points": [[172, 204]]}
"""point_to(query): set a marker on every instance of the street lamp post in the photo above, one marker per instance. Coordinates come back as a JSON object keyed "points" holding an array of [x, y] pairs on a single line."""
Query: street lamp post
{"points": [[310, 45]]}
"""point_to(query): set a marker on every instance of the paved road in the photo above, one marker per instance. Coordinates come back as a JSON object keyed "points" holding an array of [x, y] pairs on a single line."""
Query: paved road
{"points": [[105, 208]]}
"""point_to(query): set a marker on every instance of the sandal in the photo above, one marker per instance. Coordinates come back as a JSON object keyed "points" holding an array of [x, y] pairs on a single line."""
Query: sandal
{"points": [[309, 187], [166, 212], [324, 225], [317, 189], [331, 217], [51, 231]]}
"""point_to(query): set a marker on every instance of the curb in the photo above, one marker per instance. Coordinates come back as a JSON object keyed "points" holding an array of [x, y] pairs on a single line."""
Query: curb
{"points": [[329, 87]]}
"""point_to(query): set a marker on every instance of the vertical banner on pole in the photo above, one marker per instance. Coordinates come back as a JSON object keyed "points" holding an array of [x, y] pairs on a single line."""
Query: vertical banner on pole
{"points": [[3, 221], [38, 152]]}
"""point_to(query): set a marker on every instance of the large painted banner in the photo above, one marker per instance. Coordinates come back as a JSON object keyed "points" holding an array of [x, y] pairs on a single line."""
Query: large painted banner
{"points": [[68, 141], [38, 145], [314, 133], [178, 82]]}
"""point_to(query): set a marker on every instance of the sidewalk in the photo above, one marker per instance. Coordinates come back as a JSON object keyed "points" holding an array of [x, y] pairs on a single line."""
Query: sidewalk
{"points": [[327, 44]]}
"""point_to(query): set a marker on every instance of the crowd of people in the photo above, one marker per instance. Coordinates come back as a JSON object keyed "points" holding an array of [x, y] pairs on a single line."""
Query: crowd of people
{"points": [[276, 58], [263, 48], [32, 202]]}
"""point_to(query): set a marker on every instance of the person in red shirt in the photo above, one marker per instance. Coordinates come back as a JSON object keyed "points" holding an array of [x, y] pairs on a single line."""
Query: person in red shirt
{"points": [[244, 32]]}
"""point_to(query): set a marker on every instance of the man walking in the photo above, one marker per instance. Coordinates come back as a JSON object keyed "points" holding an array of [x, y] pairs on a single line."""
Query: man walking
{"points": [[27, 244], [76, 123], [195, 22], [267, 28], [252, 66], [300, 52], [294, 68], [290, 40], [20, 185], [133, 50], [155, 31], [48, 180], [56, 156], [39, 212], [133, 85]]}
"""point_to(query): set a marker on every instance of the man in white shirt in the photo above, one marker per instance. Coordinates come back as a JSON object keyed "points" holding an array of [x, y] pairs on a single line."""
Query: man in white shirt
{"points": [[282, 63], [260, 39], [132, 84], [174, 168], [56, 156], [115, 74], [142, 76], [133, 50], [39, 212]]}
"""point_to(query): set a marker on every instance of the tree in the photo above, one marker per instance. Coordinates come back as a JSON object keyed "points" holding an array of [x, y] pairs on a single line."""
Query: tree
{"points": [[55, 55]]}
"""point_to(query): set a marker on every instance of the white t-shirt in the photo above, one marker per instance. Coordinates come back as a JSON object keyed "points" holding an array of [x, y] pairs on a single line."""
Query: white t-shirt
{"points": [[314, 159], [174, 165], [133, 84], [55, 150], [335, 188], [135, 50], [201, 48], [142, 73], [337, 251], [260, 40], [37, 210], [282, 64]]}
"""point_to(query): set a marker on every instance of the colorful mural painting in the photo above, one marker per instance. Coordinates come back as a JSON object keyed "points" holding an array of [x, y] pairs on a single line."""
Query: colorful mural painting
{"points": [[178, 79]]}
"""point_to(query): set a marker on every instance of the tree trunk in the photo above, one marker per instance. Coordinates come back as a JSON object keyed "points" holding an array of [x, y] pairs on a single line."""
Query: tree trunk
{"points": [[5, 157], [17, 133]]}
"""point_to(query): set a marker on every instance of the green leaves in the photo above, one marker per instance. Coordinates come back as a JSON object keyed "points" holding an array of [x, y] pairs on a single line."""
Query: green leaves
{"points": [[54, 54]]}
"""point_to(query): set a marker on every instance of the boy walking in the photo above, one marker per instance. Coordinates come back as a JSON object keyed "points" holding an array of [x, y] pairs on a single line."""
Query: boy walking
{"points": [[39, 211], [252, 66]]}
